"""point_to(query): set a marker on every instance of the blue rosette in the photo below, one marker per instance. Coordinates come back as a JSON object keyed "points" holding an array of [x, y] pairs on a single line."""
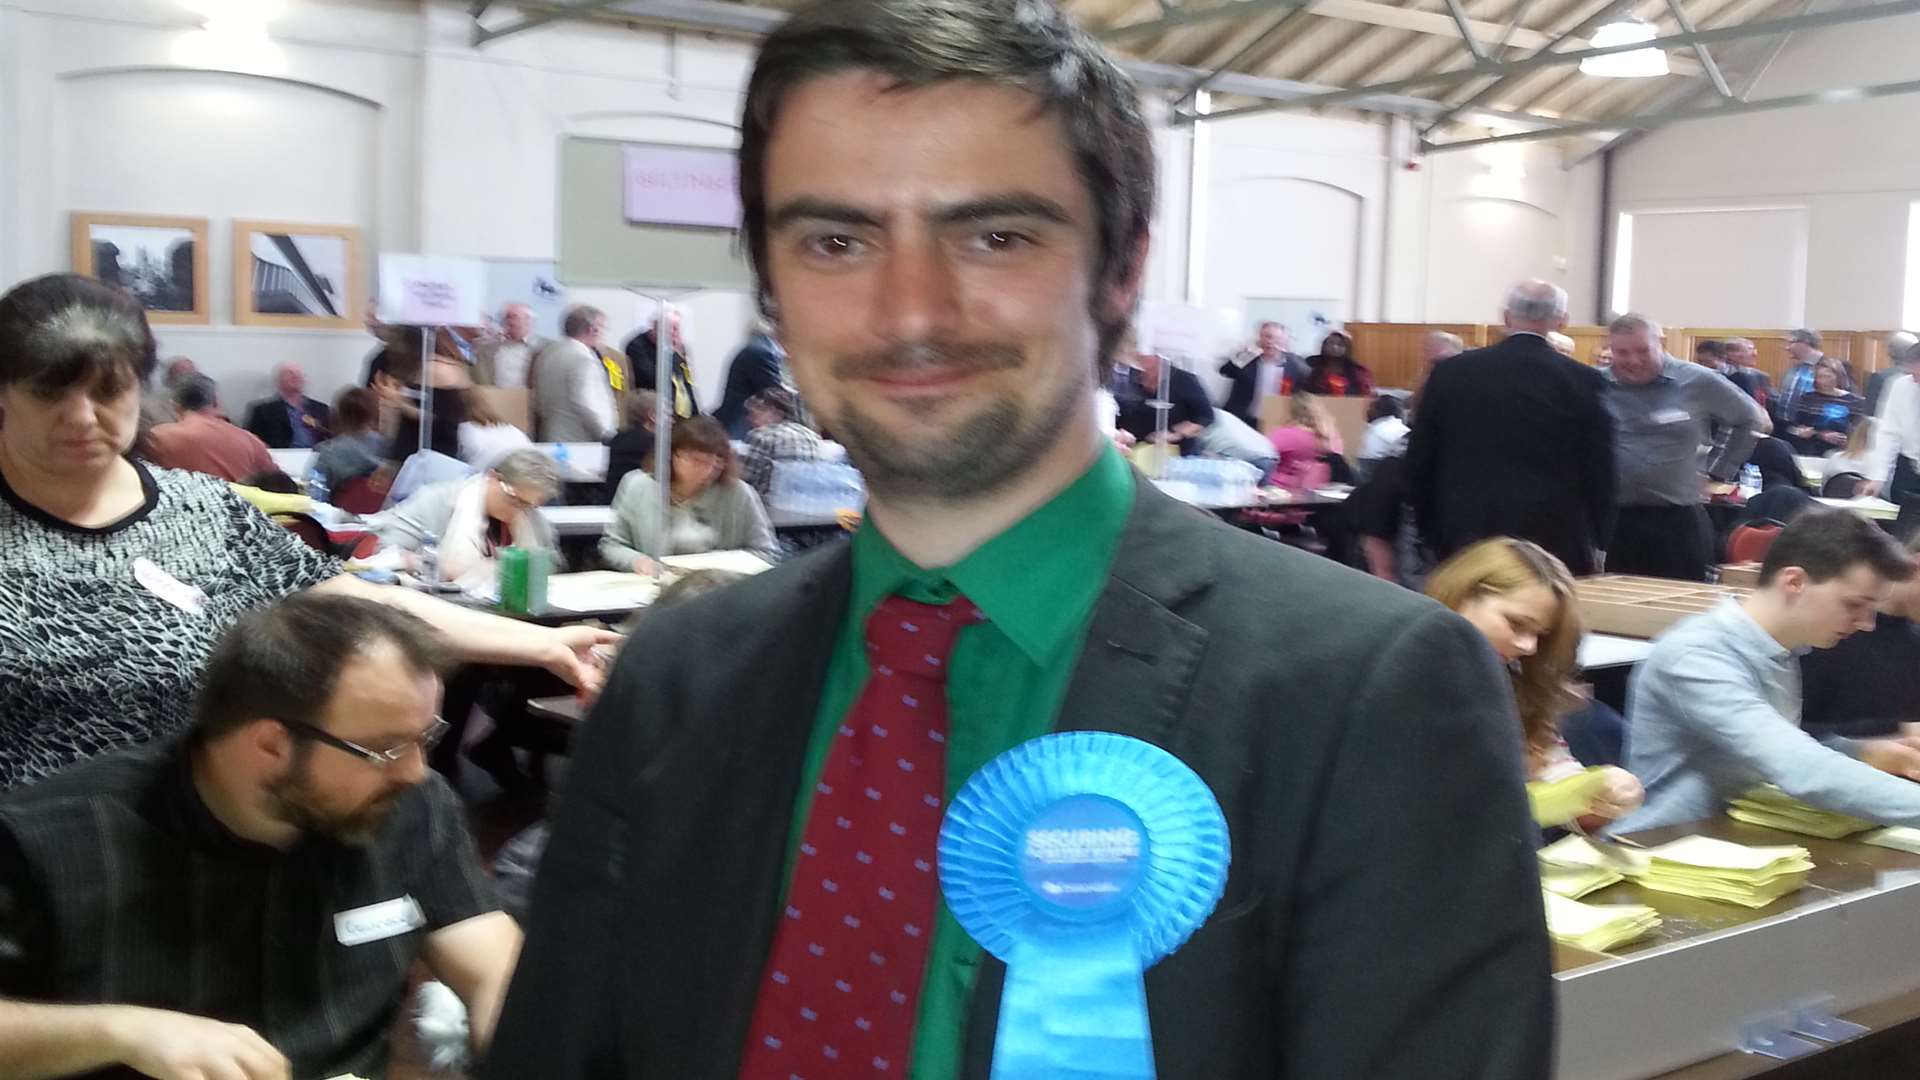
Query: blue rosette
{"points": [[1081, 859]]}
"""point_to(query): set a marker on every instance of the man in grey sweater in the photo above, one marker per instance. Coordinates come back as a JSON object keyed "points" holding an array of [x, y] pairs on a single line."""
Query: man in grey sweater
{"points": [[1664, 411], [1715, 709]]}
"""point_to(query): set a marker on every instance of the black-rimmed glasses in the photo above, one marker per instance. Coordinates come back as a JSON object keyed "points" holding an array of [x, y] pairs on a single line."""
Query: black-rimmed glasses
{"points": [[426, 741]]}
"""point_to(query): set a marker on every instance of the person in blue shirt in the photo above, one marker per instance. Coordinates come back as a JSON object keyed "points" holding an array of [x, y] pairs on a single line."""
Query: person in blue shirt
{"points": [[1715, 709]]}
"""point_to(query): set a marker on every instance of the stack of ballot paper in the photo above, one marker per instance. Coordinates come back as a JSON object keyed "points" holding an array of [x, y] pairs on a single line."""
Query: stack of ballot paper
{"points": [[1897, 837], [1578, 852], [1573, 867], [1597, 927], [1574, 882], [1769, 806], [1710, 869], [1696, 866]]}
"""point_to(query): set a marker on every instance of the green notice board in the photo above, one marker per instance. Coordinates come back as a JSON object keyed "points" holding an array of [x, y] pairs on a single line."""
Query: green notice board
{"points": [[599, 248]]}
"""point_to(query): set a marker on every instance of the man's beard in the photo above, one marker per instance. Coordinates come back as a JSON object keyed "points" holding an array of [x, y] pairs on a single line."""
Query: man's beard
{"points": [[986, 452], [289, 799]]}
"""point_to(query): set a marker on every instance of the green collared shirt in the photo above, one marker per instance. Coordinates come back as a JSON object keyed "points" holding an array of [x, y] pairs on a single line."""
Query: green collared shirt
{"points": [[1037, 583]]}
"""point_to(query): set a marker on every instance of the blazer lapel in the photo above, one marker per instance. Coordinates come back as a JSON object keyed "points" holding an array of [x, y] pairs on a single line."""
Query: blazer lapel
{"points": [[1134, 675], [1139, 658], [758, 732]]}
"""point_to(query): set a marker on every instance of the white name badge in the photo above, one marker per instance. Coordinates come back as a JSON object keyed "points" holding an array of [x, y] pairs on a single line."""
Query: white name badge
{"points": [[1672, 416], [377, 922], [167, 587]]}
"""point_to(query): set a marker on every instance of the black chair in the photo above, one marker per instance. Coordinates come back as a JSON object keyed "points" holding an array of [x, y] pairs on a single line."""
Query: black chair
{"points": [[1774, 458], [1844, 485]]}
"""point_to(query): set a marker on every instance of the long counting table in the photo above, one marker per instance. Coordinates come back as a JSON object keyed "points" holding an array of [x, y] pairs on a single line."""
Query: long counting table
{"points": [[1680, 996]]}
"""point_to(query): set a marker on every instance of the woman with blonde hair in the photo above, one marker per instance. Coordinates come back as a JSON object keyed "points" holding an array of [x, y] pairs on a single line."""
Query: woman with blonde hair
{"points": [[1302, 444], [1520, 598], [486, 436]]}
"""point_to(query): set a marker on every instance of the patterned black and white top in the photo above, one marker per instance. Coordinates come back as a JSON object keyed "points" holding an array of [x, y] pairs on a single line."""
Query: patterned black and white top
{"points": [[93, 654]]}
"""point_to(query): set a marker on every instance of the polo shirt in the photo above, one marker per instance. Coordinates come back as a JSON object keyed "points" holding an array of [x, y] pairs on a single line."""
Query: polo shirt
{"points": [[1660, 428], [119, 886]]}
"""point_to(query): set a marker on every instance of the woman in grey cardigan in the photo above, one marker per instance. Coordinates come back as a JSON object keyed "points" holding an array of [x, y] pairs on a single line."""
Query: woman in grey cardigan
{"points": [[712, 509]]}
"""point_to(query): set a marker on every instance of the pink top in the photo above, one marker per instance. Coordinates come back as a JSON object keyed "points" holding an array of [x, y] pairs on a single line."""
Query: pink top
{"points": [[1299, 467]]}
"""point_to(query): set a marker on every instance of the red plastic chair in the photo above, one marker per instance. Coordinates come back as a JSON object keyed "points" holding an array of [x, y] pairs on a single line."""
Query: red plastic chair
{"points": [[357, 496], [1750, 543]]}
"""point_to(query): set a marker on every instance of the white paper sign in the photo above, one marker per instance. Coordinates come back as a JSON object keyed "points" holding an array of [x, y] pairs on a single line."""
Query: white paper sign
{"points": [[430, 290]]}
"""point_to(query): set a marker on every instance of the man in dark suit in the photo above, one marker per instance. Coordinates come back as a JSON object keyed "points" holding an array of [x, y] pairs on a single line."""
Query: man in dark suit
{"points": [[1898, 345], [1515, 440], [947, 286], [1258, 372], [642, 352], [759, 365], [290, 418]]}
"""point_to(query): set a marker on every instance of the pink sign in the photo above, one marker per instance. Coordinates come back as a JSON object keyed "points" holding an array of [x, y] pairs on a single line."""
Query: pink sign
{"points": [[678, 186]]}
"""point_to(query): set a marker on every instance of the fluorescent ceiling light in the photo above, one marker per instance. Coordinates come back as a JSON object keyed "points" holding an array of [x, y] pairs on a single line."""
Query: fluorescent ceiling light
{"points": [[1637, 64]]}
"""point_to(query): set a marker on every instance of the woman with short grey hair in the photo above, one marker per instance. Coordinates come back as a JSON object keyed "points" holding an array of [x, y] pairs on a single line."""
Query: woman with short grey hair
{"points": [[472, 519]]}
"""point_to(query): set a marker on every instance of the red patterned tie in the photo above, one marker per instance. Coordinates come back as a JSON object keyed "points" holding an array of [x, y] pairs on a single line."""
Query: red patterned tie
{"points": [[842, 986]]}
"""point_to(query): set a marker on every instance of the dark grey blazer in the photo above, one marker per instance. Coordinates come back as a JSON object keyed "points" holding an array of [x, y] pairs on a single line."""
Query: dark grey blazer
{"points": [[1382, 917]]}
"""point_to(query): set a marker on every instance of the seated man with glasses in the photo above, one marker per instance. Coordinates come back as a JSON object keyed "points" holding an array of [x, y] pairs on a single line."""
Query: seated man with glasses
{"points": [[247, 901]]}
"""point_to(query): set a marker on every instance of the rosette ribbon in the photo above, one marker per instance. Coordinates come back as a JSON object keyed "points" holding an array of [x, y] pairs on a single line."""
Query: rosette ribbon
{"points": [[1081, 859]]}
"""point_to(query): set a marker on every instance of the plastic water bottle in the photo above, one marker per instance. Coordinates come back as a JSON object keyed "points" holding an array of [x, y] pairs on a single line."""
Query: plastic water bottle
{"points": [[1749, 481], [560, 457], [317, 486], [429, 564]]}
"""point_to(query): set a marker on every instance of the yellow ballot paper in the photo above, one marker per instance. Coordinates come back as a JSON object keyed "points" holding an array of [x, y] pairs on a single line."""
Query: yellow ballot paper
{"points": [[1768, 806], [1897, 837], [1697, 866], [1579, 853], [1556, 802], [1597, 927], [1574, 882], [1710, 869]]}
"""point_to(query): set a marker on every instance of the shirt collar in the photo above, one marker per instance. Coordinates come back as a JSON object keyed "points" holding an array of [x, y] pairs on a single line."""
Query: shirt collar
{"points": [[1736, 618], [1035, 581]]}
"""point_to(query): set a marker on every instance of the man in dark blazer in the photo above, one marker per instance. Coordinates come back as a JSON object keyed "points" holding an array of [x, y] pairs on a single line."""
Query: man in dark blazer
{"points": [[290, 418], [1259, 371], [1382, 912], [1899, 344], [1515, 440], [757, 366]]}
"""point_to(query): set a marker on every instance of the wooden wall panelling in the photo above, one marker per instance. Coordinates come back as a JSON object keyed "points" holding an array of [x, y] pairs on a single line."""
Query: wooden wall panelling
{"points": [[1392, 350]]}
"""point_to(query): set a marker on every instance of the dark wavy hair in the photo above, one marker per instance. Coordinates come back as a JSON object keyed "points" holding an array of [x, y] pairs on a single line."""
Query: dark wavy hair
{"points": [[1029, 44], [66, 330]]}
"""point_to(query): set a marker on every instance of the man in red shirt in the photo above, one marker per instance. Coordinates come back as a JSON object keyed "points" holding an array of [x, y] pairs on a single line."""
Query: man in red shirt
{"points": [[204, 441]]}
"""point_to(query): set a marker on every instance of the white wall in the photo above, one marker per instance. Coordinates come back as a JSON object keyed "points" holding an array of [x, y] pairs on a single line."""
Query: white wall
{"points": [[1293, 210], [379, 114], [1852, 170], [101, 115]]}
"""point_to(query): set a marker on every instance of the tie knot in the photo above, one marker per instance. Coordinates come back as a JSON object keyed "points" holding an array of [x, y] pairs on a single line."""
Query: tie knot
{"points": [[906, 637]]}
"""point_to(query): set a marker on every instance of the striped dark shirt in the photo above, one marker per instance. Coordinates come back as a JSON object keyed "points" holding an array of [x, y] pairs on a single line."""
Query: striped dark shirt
{"points": [[118, 885]]}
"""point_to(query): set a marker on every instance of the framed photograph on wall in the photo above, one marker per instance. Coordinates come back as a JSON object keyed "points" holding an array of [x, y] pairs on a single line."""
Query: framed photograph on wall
{"points": [[305, 276], [161, 260]]}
